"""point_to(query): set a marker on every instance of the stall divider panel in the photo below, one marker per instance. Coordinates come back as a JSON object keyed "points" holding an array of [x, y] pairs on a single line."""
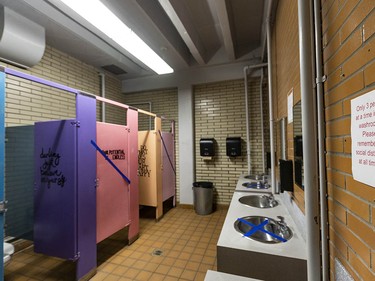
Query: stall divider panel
{"points": [[159, 175], [169, 170], [132, 123], [86, 172]]}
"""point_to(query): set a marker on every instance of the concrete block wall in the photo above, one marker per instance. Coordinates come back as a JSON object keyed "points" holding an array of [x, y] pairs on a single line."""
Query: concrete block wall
{"points": [[349, 63], [220, 113], [163, 102]]}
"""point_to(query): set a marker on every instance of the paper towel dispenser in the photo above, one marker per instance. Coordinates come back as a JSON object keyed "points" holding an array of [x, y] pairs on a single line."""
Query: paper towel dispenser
{"points": [[207, 147], [233, 146]]}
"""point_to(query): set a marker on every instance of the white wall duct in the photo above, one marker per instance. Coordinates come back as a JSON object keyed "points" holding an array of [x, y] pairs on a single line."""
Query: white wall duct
{"points": [[22, 42]]}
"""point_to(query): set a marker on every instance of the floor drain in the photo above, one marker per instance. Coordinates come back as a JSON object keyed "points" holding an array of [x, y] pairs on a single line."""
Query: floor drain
{"points": [[157, 252]]}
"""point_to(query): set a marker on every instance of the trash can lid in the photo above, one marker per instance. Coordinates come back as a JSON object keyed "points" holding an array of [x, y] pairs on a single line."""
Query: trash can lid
{"points": [[204, 184]]}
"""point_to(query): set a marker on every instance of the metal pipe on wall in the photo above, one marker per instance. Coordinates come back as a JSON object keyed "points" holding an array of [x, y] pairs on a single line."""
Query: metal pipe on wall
{"points": [[247, 122], [321, 138], [245, 69], [270, 101], [309, 141], [261, 120], [102, 93]]}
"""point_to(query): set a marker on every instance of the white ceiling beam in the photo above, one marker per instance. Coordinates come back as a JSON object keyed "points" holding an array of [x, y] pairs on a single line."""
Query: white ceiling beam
{"points": [[223, 16], [186, 31]]}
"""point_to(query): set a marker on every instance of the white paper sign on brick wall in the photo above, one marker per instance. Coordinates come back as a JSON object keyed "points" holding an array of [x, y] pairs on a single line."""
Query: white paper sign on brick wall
{"points": [[290, 107], [363, 138]]}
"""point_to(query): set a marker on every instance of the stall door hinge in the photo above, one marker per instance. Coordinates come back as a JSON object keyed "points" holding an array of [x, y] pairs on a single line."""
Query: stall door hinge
{"points": [[76, 123], [3, 208], [76, 257]]}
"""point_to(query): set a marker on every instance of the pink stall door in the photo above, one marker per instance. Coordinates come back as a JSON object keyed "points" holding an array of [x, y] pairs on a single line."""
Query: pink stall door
{"points": [[113, 196]]}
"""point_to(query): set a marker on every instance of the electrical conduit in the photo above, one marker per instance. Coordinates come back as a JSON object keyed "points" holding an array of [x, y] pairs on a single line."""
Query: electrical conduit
{"points": [[321, 138]]}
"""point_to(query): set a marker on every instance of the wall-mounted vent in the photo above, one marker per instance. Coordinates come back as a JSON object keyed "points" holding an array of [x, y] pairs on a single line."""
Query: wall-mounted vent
{"points": [[114, 69], [22, 42]]}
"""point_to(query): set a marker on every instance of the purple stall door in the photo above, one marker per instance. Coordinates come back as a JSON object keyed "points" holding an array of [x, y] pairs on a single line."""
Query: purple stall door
{"points": [[169, 176], [55, 197]]}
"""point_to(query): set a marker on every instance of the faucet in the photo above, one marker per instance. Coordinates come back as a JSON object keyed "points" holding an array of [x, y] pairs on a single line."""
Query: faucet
{"points": [[282, 224], [271, 200]]}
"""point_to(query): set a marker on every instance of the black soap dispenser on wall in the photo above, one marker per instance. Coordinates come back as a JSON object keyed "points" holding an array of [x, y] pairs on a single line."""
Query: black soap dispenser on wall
{"points": [[233, 146], [207, 148]]}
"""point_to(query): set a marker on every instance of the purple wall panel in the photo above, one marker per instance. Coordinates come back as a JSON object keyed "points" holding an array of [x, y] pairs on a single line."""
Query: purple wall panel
{"points": [[55, 226], [169, 177]]}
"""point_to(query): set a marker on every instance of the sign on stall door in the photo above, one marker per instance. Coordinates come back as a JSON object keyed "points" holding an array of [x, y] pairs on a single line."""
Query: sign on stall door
{"points": [[363, 138]]}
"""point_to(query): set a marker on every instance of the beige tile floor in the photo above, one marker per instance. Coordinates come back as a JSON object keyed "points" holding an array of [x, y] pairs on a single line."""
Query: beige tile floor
{"points": [[187, 243]]}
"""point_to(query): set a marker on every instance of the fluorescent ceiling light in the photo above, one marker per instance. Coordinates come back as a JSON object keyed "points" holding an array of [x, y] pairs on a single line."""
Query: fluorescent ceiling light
{"points": [[96, 13]]}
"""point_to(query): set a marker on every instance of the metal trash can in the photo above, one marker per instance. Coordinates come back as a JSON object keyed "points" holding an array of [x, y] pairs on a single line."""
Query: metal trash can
{"points": [[203, 197]]}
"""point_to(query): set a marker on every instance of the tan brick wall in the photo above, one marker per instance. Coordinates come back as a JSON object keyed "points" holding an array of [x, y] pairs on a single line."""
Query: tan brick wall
{"points": [[286, 77], [220, 113], [27, 102], [163, 103], [114, 114], [349, 62], [349, 56]]}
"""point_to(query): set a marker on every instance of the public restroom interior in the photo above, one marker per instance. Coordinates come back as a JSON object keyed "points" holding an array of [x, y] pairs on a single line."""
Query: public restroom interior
{"points": [[279, 74]]}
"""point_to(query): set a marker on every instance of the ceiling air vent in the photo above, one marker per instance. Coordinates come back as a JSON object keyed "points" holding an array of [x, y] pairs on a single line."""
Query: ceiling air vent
{"points": [[114, 69], [22, 42]]}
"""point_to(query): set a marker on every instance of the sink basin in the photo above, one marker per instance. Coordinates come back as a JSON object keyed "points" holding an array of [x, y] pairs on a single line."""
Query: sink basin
{"points": [[257, 177], [256, 185], [259, 201], [263, 229]]}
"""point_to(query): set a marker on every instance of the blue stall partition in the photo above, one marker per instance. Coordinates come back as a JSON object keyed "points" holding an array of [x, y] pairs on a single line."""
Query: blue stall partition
{"points": [[2, 166], [19, 181]]}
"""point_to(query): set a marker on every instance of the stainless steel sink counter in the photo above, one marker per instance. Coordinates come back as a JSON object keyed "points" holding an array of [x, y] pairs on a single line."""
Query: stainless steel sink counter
{"points": [[242, 180], [239, 255]]}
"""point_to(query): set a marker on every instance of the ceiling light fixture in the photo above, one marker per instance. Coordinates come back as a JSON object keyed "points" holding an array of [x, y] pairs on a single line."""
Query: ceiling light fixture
{"points": [[96, 13]]}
